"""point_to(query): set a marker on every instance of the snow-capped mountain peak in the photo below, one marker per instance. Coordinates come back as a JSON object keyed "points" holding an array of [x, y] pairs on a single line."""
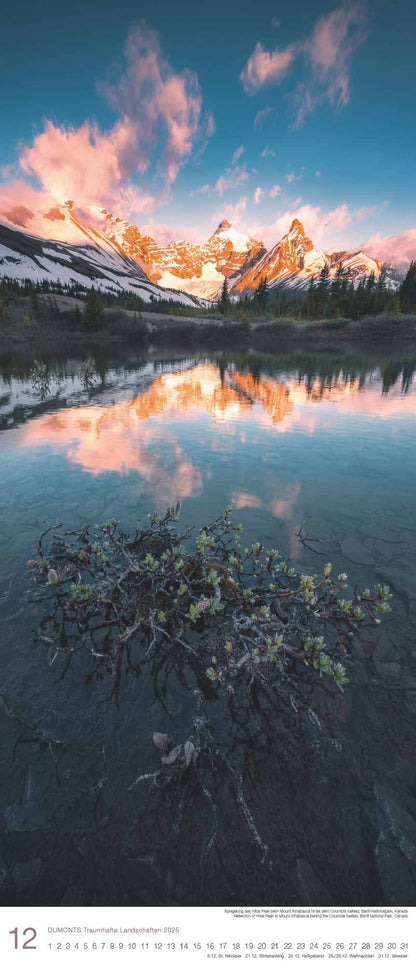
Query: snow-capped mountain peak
{"points": [[197, 269], [223, 225], [294, 260], [240, 242]]}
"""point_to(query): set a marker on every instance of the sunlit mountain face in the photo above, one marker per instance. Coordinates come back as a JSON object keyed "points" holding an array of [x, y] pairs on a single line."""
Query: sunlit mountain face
{"points": [[97, 247], [162, 432]]}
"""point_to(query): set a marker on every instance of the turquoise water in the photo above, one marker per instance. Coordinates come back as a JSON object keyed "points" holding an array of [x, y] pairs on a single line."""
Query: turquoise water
{"points": [[321, 444]]}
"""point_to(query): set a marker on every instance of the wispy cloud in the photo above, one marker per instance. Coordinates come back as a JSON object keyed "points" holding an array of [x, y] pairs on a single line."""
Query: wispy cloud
{"points": [[231, 179], [325, 56], [150, 96], [274, 191], [85, 165], [210, 124], [237, 154], [329, 51], [367, 212], [266, 67], [165, 234], [207, 130], [318, 224], [262, 115], [158, 116], [258, 195], [201, 191], [398, 250], [231, 212], [268, 152], [295, 176]]}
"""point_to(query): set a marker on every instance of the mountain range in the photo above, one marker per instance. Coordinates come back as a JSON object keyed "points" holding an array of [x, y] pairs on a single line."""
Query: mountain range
{"points": [[92, 246]]}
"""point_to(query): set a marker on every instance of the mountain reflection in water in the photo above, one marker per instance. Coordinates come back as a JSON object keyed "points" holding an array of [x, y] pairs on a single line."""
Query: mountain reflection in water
{"points": [[128, 435]]}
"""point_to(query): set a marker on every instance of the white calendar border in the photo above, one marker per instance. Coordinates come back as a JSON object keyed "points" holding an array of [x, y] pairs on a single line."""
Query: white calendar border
{"points": [[224, 933]]}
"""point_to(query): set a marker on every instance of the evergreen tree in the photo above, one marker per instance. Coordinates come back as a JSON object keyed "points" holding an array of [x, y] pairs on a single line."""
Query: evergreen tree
{"points": [[261, 293], [94, 310], [322, 290], [310, 298], [336, 290], [359, 298], [380, 298], [408, 290], [381, 284], [371, 282], [224, 301]]}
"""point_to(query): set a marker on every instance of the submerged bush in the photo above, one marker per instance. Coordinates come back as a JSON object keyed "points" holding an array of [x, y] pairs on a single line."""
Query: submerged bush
{"points": [[234, 613], [249, 638]]}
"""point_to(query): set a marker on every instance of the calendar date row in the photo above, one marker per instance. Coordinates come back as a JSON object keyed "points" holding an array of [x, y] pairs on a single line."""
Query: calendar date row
{"points": [[351, 946]]}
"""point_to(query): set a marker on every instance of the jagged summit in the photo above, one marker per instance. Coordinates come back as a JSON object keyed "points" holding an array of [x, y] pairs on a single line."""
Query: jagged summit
{"points": [[296, 228], [197, 269], [294, 260], [224, 224]]}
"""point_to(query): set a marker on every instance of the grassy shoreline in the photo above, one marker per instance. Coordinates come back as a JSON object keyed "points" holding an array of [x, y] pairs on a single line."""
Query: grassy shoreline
{"points": [[153, 329]]}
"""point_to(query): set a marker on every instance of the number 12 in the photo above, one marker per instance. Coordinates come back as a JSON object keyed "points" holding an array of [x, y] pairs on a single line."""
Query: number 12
{"points": [[28, 946]]}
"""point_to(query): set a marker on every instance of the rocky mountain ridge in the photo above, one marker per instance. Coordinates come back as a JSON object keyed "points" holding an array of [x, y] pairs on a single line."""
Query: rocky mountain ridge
{"points": [[122, 257], [294, 260]]}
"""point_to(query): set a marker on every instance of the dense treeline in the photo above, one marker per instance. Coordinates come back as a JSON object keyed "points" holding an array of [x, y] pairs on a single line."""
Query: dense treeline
{"points": [[324, 298], [328, 298], [11, 290]]}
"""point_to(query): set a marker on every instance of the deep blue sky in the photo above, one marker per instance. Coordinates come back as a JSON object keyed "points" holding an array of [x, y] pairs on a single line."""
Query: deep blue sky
{"points": [[53, 56]]}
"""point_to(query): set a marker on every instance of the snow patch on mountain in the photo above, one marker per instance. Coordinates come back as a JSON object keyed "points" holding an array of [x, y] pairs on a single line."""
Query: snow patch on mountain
{"points": [[120, 256], [202, 286], [25, 257], [240, 241], [294, 260]]}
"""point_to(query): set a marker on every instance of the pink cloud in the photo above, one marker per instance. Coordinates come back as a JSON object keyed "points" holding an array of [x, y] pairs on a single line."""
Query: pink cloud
{"points": [[210, 125], [274, 191], [207, 130], [158, 115], [149, 95], [231, 212], [329, 50], [262, 115], [164, 234], [268, 153], [326, 57], [258, 195], [237, 154], [264, 67], [317, 224], [366, 212], [201, 191], [334, 40], [86, 166], [397, 250], [19, 195], [232, 179], [73, 163]]}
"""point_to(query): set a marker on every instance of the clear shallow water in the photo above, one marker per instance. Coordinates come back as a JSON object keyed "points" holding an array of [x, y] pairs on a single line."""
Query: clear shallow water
{"points": [[328, 442]]}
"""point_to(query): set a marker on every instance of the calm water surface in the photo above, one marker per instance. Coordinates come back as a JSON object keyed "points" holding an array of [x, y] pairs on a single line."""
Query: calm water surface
{"points": [[324, 442]]}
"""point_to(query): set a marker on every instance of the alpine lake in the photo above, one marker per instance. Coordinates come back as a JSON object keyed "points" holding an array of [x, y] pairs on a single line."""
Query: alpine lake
{"points": [[316, 454]]}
